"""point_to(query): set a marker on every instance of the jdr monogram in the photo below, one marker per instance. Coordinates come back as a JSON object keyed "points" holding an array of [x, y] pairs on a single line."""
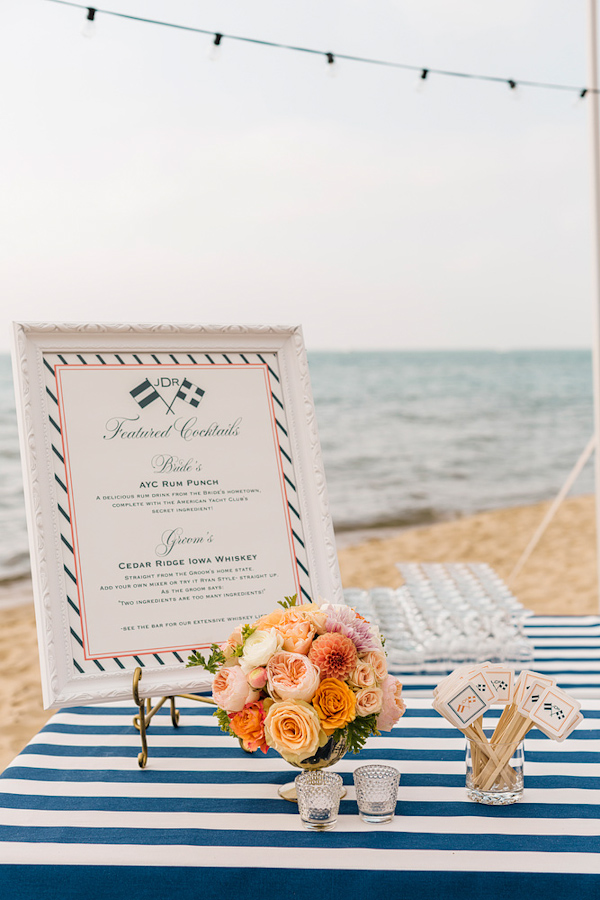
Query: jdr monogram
{"points": [[146, 392]]}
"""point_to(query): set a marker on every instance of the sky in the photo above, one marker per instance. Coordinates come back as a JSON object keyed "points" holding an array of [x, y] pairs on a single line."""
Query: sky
{"points": [[143, 180]]}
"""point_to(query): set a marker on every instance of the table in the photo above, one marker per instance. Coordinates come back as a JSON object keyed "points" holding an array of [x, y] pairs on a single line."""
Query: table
{"points": [[78, 817]]}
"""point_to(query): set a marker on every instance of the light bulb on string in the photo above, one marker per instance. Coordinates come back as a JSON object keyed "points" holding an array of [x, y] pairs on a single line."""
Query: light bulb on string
{"points": [[215, 50], [331, 65], [580, 98], [89, 26], [420, 85], [514, 89]]}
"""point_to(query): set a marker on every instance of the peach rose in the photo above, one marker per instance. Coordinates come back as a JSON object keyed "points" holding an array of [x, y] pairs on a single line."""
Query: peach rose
{"points": [[292, 727], [369, 701], [231, 690], [376, 658], [296, 630], [335, 704], [292, 676], [363, 675], [316, 615], [270, 621], [248, 725], [230, 646], [393, 705]]}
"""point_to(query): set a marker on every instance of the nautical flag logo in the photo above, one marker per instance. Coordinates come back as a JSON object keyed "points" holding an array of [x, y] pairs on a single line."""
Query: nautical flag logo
{"points": [[466, 702], [554, 710], [144, 393], [189, 392]]}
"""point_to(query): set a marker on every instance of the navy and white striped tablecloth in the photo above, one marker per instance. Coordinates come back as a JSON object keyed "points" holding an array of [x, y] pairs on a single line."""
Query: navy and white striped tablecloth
{"points": [[78, 818]]}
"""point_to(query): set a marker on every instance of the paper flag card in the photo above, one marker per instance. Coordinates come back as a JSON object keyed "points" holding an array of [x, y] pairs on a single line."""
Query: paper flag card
{"points": [[534, 691], [457, 673], [463, 707], [526, 681], [502, 680], [479, 680], [555, 713]]}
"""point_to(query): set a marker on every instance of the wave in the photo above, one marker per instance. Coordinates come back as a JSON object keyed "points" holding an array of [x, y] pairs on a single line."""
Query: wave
{"points": [[411, 518], [15, 568]]}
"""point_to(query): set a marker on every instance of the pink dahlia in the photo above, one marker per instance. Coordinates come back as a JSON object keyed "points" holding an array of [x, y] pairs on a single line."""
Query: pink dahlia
{"points": [[334, 654], [344, 620]]}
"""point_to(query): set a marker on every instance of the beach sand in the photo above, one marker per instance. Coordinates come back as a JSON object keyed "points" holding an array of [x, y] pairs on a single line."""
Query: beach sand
{"points": [[560, 578]]}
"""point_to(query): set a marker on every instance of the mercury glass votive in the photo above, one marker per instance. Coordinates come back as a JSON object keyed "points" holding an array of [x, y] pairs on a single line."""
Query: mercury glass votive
{"points": [[319, 796], [376, 792]]}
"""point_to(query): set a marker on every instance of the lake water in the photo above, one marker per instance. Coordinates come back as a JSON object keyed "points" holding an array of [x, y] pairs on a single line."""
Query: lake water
{"points": [[407, 437]]}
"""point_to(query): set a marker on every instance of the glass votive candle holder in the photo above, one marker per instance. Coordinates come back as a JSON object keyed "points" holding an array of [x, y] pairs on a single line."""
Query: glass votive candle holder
{"points": [[495, 772], [376, 792], [319, 796]]}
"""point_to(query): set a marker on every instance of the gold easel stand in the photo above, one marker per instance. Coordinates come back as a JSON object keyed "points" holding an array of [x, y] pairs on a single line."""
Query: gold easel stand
{"points": [[147, 711]]}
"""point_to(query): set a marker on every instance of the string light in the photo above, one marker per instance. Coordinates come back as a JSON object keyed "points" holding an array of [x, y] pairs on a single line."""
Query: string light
{"points": [[215, 48], [89, 29], [421, 81], [330, 57]]}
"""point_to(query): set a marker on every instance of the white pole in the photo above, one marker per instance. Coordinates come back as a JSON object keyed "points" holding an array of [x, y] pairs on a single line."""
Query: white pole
{"points": [[541, 529], [592, 98]]}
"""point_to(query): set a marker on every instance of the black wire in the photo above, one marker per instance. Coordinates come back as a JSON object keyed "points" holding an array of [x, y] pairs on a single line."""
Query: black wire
{"points": [[331, 56]]}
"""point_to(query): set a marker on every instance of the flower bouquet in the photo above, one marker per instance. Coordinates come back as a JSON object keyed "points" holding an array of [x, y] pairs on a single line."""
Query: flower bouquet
{"points": [[309, 681]]}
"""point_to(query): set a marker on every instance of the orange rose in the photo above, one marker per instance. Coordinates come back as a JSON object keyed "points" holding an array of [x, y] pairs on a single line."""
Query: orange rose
{"points": [[292, 727], [335, 704], [248, 725]]}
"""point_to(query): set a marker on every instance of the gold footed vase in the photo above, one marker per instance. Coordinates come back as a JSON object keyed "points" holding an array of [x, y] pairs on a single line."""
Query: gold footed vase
{"points": [[326, 756]]}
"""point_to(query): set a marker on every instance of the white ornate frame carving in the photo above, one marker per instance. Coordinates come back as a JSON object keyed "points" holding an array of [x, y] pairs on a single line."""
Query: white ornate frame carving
{"points": [[62, 684]]}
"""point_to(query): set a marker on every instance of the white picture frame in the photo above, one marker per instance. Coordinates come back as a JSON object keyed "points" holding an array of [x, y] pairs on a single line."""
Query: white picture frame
{"points": [[90, 427]]}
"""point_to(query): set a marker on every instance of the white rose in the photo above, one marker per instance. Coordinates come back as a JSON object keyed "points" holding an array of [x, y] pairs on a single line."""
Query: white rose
{"points": [[259, 648]]}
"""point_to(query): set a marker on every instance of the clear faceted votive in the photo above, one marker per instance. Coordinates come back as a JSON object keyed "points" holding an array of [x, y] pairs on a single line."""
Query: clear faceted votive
{"points": [[376, 792], [495, 772], [319, 796]]}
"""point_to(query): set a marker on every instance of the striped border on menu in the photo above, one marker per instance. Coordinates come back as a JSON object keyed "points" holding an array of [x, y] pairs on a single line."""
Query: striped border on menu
{"points": [[61, 487]]}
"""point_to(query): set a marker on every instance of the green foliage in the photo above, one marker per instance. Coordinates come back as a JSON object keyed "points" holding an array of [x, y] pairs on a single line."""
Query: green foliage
{"points": [[216, 659], [358, 732], [223, 720], [247, 630], [288, 602]]}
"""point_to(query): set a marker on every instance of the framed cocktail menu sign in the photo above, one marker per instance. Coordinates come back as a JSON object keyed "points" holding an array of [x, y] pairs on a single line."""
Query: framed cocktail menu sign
{"points": [[175, 489]]}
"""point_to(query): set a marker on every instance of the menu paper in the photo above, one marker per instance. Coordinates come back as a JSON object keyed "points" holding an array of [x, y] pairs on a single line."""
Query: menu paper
{"points": [[178, 508], [174, 490]]}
